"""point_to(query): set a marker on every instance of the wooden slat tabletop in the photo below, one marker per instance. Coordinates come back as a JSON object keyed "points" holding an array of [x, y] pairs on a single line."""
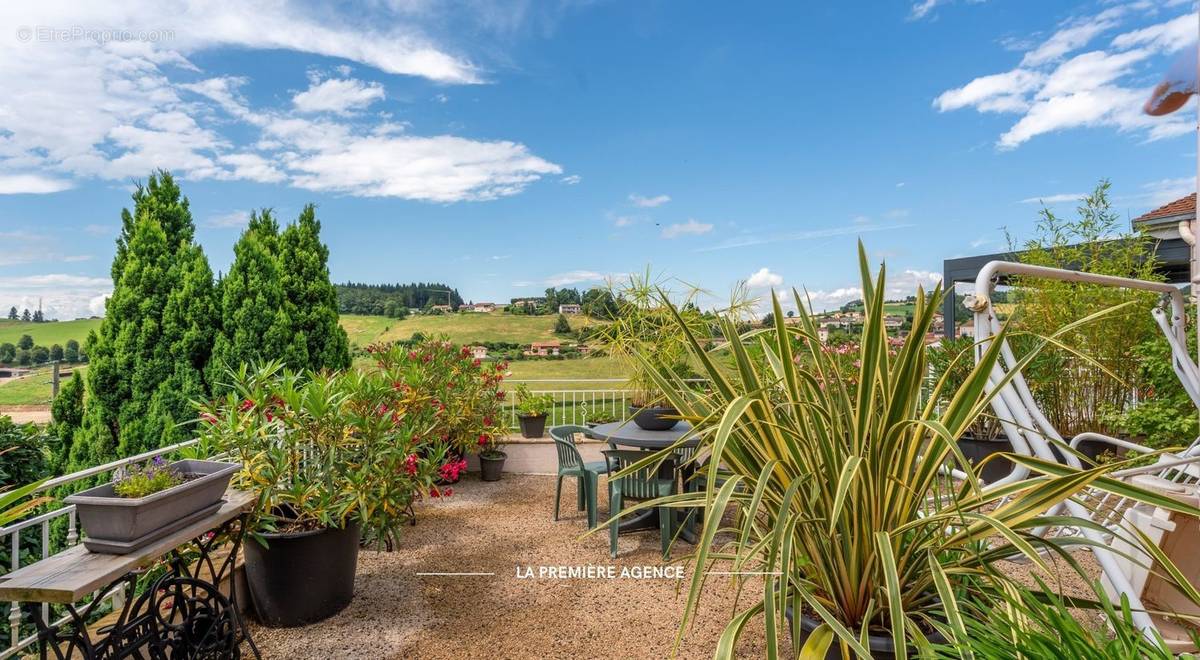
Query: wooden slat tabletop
{"points": [[76, 572]]}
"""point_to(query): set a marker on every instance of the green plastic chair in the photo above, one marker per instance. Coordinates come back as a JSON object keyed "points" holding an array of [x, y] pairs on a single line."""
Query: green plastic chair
{"points": [[571, 464], [643, 484]]}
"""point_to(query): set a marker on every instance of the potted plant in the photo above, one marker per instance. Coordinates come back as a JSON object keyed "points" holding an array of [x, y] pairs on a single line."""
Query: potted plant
{"points": [[335, 459], [462, 394], [145, 502], [644, 336], [839, 489], [532, 410], [491, 457]]}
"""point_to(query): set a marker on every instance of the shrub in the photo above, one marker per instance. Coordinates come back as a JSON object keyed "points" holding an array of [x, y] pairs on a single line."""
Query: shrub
{"points": [[327, 449], [532, 405], [140, 480], [464, 392], [1092, 390]]}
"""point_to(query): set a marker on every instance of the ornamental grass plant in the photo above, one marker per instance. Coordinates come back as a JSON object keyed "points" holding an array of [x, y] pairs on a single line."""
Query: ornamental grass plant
{"points": [[840, 492]]}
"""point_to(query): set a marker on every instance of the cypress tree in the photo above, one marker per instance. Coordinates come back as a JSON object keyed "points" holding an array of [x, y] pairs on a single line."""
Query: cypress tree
{"points": [[148, 356], [254, 310], [312, 298]]}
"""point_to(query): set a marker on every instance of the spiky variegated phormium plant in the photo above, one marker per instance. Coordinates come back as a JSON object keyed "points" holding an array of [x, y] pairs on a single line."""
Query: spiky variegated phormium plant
{"points": [[841, 497]]}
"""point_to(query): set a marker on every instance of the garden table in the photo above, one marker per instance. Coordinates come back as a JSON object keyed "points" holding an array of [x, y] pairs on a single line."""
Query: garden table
{"points": [[628, 434], [181, 614]]}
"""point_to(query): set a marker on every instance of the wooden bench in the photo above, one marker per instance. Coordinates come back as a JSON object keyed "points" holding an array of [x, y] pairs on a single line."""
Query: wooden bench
{"points": [[70, 576]]}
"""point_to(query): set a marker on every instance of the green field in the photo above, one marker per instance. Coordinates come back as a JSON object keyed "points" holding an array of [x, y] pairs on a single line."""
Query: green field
{"points": [[582, 368], [461, 328], [33, 390], [47, 334]]}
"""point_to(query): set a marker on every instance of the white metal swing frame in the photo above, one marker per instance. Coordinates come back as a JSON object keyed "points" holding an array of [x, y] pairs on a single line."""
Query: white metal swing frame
{"points": [[1032, 434]]}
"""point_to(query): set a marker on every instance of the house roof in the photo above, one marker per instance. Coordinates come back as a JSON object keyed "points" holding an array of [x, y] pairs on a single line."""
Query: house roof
{"points": [[1184, 206], [546, 344]]}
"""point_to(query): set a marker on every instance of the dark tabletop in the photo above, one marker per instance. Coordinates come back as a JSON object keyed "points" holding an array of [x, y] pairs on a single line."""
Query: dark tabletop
{"points": [[631, 435]]}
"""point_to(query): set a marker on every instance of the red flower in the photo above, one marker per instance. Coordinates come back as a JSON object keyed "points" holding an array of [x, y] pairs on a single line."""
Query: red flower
{"points": [[487, 420], [465, 351], [412, 355], [382, 409], [246, 405], [448, 491], [476, 362], [483, 439], [500, 396], [209, 418], [434, 492], [410, 464]]}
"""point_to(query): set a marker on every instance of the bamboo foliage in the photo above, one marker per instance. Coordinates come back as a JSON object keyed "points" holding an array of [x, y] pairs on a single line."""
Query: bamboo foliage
{"points": [[840, 491]]}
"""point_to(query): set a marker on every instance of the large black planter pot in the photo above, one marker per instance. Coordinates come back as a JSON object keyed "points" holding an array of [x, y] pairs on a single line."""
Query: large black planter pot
{"points": [[881, 646], [975, 450], [654, 418], [491, 468], [532, 426], [304, 577]]}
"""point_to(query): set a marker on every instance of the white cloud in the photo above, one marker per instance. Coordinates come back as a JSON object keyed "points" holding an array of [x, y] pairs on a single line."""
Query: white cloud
{"points": [[1052, 90], [571, 179], [1157, 193], [747, 240], [899, 286], [623, 221], [136, 105], [231, 220], [574, 277], [649, 202], [16, 184], [1074, 35], [339, 96], [921, 9], [1054, 199], [764, 279], [691, 227], [62, 296], [443, 168]]}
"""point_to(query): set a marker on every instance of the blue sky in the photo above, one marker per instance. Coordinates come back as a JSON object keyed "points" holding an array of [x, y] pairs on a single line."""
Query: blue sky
{"points": [[506, 147]]}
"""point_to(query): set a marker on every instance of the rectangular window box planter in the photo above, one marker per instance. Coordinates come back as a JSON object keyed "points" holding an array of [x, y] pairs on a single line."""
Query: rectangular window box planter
{"points": [[120, 525]]}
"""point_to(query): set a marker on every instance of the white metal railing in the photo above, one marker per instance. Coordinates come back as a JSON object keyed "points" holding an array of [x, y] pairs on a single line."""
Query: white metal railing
{"points": [[45, 520], [579, 405]]}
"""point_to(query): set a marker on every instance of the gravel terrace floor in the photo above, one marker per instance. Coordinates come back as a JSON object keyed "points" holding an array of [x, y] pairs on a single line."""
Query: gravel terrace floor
{"points": [[494, 528]]}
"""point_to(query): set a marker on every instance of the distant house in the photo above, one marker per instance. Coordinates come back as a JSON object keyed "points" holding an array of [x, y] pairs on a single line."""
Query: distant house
{"points": [[584, 349], [892, 322], [532, 301], [544, 348], [441, 308], [482, 307], [569, 309], [466, 308], [479, 352]]}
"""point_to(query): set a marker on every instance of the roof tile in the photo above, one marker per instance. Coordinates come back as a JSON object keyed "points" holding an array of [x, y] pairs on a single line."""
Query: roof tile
{"points": [[1181, 206]]}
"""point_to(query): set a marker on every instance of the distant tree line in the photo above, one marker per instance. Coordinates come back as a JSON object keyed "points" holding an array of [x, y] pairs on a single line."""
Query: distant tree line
{"points": [[26, 353], [596, 302], [393, 300], [26, 316], [171, 329]]}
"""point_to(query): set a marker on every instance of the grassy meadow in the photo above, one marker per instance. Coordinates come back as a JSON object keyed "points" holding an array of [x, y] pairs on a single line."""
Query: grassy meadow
{"points": [[460, 328], [33, 390], [48, 334]]}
